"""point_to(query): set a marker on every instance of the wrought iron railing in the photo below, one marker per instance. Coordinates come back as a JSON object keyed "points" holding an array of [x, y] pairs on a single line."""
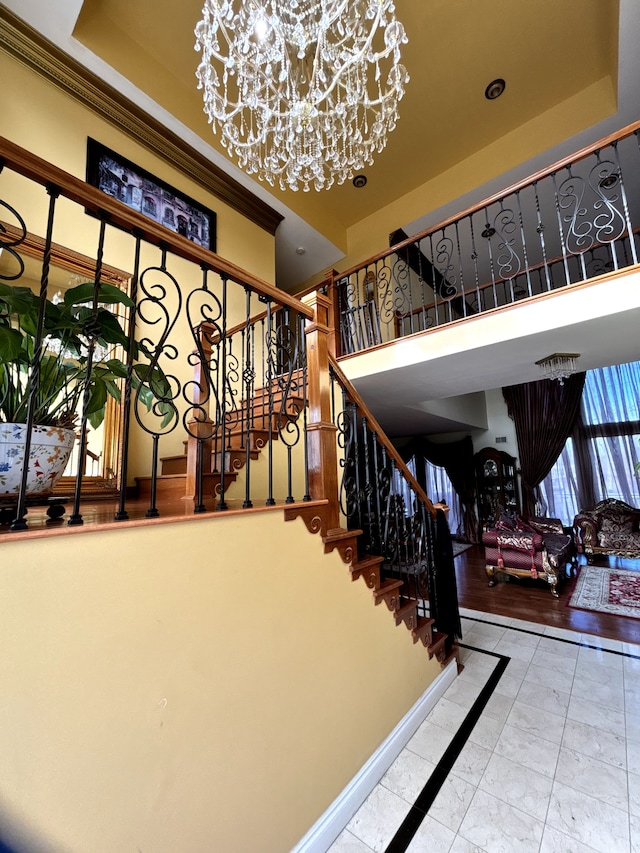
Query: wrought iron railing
{"points": [[212, 355], [207, 357], [381, 497], [576, 220], [249, 391]]}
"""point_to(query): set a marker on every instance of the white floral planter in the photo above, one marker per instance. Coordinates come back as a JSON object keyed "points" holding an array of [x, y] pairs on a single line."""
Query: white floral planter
{"points": [[48, 457]]}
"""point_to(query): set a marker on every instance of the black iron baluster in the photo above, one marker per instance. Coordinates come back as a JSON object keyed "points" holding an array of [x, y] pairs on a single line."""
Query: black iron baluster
{"points": [[203, 312], [305, 416], [19, 522], [160, 385], [270, 345], [199, 505], [153, 511], [463, 295], [563, 243], [355, 435], [474, 258], [222, 504], [75, 519], [385, 489], [288, 430], [523, 241], [121, 513], [433, 283], [540, 229], [371, 520], [378, 495], [487, 234], [625, 204], [249, 377]]}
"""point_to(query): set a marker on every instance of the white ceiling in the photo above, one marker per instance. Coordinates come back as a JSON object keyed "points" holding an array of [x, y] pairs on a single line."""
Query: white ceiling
{"points": [[416, 385]]}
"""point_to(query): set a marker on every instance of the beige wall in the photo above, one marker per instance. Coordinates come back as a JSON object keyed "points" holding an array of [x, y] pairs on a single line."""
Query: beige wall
{"points": [[371, 235], [499, 424], [44, 120], [197, 686], [54, 126]]}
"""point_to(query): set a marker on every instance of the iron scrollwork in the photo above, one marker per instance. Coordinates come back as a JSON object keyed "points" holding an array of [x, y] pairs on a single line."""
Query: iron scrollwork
{"points": [[157, 382]]}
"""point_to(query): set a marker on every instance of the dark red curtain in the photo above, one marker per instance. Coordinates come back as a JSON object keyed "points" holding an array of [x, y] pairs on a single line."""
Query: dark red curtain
{"points": [[544, 414]]}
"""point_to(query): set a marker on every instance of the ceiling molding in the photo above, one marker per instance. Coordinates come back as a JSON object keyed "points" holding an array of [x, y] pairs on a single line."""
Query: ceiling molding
{"points": [[39, 54]]}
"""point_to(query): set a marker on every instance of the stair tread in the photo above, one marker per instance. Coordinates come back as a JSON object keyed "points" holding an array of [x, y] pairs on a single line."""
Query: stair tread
{"points": [[385, 589], [437, 640], [406, 608], [365, 562], [338, 533]]}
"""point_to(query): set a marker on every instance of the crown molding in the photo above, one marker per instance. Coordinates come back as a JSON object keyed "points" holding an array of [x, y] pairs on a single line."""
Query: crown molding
{"points": [[26, 45]]}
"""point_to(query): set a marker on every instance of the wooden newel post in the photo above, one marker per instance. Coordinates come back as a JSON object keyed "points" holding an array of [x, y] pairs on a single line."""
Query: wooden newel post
{"points": [[323, 455], [331, 290]]}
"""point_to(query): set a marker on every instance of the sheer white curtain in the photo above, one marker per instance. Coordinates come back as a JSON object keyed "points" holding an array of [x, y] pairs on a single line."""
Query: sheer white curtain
{"points": [[440, 488], [599, 460]]}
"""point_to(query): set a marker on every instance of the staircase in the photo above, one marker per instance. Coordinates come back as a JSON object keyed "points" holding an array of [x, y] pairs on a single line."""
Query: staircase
{"points": [[252, 426], [248, 426], [404, 609]]}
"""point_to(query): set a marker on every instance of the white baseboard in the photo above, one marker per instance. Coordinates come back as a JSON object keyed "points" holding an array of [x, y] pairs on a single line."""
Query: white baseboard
{"points": [[329, 826]]}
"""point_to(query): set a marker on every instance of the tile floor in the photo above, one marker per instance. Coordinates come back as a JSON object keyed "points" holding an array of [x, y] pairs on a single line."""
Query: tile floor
{"points": [[551, 766]]}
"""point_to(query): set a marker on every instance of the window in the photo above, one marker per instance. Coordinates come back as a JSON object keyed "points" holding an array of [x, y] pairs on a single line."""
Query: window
{"points": [[598, 461]]}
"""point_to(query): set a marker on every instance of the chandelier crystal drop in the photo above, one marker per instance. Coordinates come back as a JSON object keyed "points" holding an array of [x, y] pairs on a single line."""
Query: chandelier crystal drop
{"points": [[304, 91]]}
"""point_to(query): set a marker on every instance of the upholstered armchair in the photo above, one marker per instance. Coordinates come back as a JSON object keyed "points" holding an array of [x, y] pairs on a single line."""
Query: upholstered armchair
{"points": [[611, 528], [537, 549]]}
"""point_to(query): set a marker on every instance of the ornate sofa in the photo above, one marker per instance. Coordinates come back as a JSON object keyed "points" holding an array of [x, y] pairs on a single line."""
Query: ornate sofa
{"points": [[611, 528], [537, 549]]}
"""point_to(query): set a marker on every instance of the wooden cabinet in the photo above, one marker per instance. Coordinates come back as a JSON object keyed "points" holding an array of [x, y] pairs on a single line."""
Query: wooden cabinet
{"points": [[496, 486]]}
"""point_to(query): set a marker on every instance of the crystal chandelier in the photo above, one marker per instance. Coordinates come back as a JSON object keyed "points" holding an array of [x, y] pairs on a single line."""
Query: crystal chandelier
{"points": [[304, 91], [559, 366]]}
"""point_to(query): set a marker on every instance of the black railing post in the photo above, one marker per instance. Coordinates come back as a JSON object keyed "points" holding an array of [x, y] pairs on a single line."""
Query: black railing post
{"points": [[75, 518], [122, 514], [222, 504], [19, 522]]}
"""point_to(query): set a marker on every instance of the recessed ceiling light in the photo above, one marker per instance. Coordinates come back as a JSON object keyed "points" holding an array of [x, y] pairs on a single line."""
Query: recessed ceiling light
{"points": [[359, 181], [495, 89]]}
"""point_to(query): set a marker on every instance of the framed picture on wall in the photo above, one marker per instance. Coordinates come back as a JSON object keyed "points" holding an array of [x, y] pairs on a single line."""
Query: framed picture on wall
{"points": [[141, 191]]}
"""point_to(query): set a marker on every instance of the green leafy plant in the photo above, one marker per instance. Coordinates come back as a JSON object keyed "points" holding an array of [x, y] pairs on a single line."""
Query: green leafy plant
{"points": [[64, 367]]}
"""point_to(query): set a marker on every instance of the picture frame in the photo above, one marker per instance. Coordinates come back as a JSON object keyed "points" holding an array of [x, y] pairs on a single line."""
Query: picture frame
{"points": [[140, 190]]}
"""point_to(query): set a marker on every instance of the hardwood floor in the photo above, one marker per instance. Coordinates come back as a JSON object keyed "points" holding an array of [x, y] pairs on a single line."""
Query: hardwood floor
{"points": [[533, 602]]}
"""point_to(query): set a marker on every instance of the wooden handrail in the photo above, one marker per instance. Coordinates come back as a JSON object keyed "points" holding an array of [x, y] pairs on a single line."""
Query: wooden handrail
{"points": [[382, 437], [516, 187], [29, 165]]}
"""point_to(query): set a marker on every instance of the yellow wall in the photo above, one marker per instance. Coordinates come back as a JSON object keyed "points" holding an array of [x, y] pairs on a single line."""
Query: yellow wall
{"points": [[52, 125], [370, 235], [195, 686], [44, 120]]}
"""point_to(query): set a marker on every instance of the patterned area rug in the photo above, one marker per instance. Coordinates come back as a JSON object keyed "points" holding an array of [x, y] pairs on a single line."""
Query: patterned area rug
{"points": [[615, 591], [459, 547]]}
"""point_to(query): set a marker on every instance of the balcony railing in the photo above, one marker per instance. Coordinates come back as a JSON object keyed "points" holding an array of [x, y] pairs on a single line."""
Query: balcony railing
{"points": [[215, 363], [576, 220]]}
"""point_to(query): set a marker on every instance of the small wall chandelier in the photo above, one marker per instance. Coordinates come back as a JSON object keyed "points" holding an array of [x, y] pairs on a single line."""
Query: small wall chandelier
{"points": [[559, 366], [304, 91]]}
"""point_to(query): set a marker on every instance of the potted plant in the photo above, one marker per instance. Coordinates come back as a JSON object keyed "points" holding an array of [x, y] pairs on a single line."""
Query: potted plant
{"points": [[64, 372]]}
